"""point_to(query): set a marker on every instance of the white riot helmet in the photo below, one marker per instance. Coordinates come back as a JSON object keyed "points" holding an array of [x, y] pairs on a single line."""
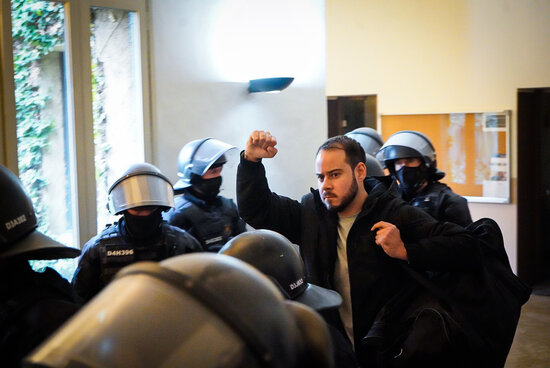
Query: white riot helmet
{"points": [[141, 185], [368, 138], [196, 157]]}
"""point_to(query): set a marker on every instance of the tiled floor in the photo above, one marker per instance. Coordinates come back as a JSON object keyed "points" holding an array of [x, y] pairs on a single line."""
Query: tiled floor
{"points": [[531, 347]]}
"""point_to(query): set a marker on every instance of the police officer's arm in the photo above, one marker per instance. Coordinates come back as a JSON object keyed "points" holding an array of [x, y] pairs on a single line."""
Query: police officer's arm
{"points": [[258, 206]]}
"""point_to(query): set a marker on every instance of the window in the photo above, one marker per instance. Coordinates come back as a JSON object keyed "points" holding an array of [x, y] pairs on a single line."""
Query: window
{"points": [[77, 114], [118, 133]]}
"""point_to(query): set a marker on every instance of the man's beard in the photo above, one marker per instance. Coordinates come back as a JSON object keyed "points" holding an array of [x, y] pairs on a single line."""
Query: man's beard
{"points": [[346, 199]]}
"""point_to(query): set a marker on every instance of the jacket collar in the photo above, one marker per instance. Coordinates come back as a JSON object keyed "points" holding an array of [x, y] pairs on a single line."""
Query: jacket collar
{"points": [[198, 201]]}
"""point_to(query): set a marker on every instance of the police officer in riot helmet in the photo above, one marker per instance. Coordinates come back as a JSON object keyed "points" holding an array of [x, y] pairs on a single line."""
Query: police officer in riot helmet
{"points": [[276, 257], [199, 209], [32, 304], [279, 259], [371, 141], [410, 157], [198, 310], [141, 194]]}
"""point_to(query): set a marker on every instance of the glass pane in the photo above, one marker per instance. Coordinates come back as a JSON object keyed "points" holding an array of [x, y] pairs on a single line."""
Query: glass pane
{"points": [[116, 89], [42, 119]]}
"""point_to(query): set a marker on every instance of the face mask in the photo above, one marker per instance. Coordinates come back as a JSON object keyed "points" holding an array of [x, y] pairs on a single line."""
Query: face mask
{"points": [[206, 189], [143, 227], [410, 179]]}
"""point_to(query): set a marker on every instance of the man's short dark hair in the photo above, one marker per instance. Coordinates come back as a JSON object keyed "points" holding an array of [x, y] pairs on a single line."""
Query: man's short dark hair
{"points": [[354, 152]]}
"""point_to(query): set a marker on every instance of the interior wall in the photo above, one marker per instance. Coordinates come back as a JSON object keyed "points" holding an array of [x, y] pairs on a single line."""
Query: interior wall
{"points": [[431, 56], [204, 53]]}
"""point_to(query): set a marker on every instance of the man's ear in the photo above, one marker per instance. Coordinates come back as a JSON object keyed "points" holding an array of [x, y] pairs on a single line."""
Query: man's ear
{"points": [[360, 171]]}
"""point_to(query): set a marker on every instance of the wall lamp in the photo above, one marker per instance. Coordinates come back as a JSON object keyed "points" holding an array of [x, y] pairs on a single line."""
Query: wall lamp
{"points": [[268, 84]]}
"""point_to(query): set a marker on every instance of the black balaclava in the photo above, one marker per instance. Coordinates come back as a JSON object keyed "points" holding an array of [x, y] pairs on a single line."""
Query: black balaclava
{"points": [[143, 227], [206, 189], [410, 180]]}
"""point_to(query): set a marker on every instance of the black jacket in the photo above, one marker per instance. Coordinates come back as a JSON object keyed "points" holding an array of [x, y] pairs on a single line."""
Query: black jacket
{"points": [[113, 248], [443, 204], [374, 276], [32, 306], [212, 224]]}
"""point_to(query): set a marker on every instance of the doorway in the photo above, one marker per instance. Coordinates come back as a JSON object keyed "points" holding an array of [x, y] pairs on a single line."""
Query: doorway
{"points": [[534, 186], [346, 113]]}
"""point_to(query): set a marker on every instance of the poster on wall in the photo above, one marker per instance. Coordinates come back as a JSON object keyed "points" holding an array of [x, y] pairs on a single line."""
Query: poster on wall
{"points": [[473, 149]]}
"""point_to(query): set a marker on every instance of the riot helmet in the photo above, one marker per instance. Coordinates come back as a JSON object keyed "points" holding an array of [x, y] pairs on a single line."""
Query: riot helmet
{"points": [[141, 185], [196, 157], [374, 167], [275, 256], [19, 236], [203, 310], [368, 138], [409, 144]]}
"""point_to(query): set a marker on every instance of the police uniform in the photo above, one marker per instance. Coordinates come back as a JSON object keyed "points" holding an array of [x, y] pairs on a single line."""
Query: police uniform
{"points": [[435, 198], [140, 195], [212, 219], [443, 204], [212, 223], [114, 248], [32, 304]]}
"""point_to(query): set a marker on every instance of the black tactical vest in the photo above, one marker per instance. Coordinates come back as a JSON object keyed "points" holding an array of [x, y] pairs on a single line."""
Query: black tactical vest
{"points": [[116, 252], [212, 225]]}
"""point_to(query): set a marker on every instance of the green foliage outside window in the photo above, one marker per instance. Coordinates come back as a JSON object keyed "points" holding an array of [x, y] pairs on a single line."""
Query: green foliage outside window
{"points": [[37, 28]]}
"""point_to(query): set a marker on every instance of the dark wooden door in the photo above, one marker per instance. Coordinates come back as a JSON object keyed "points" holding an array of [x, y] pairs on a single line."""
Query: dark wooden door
{"points": [[346, 113], [534, 185]]}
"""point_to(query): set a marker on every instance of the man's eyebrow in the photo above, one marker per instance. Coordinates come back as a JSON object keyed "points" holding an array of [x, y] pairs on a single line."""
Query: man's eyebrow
{"points": [[330, 172]]}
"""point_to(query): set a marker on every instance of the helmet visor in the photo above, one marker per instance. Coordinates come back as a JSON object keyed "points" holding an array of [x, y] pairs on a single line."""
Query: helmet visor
{"points": [[208, 153], [407, 144], [141, 321], [211, 152], [141, 190]]}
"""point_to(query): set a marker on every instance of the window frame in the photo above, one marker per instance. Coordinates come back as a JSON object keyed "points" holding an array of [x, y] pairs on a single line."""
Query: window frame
{"points": [[79, 91]]}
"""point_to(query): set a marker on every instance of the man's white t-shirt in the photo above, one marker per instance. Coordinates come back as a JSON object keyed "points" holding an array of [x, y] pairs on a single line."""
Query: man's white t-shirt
{"points": [[341, 274]]}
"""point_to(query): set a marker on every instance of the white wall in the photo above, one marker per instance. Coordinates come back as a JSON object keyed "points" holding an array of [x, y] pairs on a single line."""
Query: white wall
{"points": [[204, 53], [432, 56]]}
